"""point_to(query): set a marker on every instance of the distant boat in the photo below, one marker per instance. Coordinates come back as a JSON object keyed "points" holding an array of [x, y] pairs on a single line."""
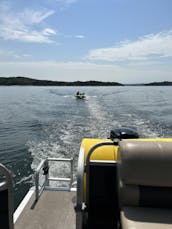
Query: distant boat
{"points": [[80, 95]]}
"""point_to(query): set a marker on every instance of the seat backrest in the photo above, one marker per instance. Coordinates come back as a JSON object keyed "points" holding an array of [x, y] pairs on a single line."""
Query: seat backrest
{"points": [[145, 173]]}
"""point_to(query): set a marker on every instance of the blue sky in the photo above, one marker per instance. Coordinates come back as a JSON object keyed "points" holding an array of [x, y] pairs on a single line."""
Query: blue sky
{"points": [[127, 41]]}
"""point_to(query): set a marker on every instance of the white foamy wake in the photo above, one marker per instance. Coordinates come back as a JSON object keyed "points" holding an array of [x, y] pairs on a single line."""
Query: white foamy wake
{"points": [[26, 180]]}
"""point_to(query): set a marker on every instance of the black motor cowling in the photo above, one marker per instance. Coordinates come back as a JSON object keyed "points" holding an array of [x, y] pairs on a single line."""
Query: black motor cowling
{"points": [[123, 133]]}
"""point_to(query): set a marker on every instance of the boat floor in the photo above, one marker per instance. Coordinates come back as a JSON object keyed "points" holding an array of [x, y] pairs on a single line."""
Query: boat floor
{"points": [[54, 209]]}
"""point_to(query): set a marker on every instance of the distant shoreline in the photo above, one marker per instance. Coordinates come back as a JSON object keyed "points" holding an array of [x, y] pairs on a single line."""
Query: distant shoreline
{"points": [[164, 83], [24, 81]]}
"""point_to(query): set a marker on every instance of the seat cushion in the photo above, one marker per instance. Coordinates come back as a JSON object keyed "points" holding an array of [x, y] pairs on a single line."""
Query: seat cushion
{"points": [[146, 218], [145, 163]]}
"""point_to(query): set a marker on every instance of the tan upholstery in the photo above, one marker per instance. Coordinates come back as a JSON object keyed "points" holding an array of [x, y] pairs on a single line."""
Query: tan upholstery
{"points": [[129, 195], [145, 184], [146, 218], [146, 163]]}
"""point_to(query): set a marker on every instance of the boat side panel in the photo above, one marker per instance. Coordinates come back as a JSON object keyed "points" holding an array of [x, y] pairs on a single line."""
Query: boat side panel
{"points": [[101, 153], [105, 153]]}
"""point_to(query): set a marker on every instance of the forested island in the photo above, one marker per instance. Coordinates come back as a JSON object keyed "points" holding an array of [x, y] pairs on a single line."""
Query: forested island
{"points": [[24, 81], [164, 83]]}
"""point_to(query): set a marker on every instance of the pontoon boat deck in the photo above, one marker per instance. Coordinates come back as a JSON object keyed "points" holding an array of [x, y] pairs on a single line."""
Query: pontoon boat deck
{"points": [[121, 184]]}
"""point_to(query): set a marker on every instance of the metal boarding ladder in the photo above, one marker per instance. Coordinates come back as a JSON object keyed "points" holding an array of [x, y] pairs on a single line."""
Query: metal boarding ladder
{"points": [[45, 165], [6, 199]]}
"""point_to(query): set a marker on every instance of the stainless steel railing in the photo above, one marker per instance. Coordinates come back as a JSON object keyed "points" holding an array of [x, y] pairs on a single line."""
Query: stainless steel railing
{"points": [[45, 166], [80, 191]]}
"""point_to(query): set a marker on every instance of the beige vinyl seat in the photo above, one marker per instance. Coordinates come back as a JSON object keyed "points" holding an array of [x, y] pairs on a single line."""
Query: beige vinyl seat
{"points": [[145, 184]]}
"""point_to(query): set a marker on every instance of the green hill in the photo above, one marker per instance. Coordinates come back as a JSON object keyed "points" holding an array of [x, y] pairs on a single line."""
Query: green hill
{"points": [[164, 83], [24, 81]]}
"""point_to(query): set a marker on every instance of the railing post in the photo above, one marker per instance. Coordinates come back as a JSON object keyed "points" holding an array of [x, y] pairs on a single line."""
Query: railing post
{"points": [[71, 175], [80, 190], [46, 172], [36, 186], [37, 179]]}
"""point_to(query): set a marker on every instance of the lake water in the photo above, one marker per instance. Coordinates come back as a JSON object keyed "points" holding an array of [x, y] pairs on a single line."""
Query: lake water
{"points": [[36, 122]]}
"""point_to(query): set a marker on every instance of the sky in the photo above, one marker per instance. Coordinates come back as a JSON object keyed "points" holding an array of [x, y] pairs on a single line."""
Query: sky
{"points": [[125, 41]]}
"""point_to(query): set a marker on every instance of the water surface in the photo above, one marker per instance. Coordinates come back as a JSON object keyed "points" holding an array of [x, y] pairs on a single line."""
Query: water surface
{"points": [[36, 122]]}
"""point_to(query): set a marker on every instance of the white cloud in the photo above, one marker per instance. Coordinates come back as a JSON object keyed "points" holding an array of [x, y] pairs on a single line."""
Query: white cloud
{"points": [[68, 71], [69, 1], [65, 4], [70, 36], [25, 55], [35, 17], [25, 26], [49, 31], [80, 36], [6, 54], [151, 46], [83, 71]]}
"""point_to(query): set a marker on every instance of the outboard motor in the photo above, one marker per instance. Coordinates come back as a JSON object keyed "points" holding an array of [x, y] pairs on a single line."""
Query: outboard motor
{"points": [[123, 133]]}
